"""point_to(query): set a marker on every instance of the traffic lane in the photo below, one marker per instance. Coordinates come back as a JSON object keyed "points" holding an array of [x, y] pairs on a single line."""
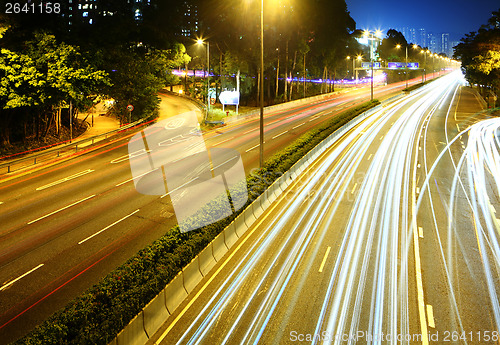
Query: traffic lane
{"points": [[455, 294], [54, 192], [75, 259], [171, 105]]}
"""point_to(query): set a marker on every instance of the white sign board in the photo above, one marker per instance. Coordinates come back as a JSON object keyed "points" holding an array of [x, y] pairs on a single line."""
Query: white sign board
{"points": [[229, 97]]}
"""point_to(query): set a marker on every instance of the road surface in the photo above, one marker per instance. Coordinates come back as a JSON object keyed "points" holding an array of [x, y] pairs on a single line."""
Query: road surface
{"points": [[67, 224], [372, 244]]}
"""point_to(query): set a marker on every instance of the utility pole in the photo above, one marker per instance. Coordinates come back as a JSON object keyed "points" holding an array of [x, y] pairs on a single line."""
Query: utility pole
{"points": [[261, 158]]}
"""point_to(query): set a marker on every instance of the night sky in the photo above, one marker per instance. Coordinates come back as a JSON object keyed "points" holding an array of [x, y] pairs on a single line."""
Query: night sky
{"points": [[457, 17]]}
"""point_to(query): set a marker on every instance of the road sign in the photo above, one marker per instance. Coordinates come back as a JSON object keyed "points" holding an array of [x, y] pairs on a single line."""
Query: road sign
{"points": [[367, 65], [395, 65], [413, 65], [229, 97], [130, 107]]}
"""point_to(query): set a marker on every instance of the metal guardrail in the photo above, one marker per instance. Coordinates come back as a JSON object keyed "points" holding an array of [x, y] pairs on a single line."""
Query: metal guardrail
{"points": [[57, 150]]}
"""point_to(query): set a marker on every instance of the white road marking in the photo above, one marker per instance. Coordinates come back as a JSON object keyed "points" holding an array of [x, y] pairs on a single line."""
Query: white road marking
{"points": [[82, 173], [223, 141], [250, 131], [279, 134], [354, 188], [458, 127], [430, 316], [133, 178], [299, 125], [420, 232], [324, 259], [61, 209], [230, 159], [418, 190], [254, 147], [370, 156], [20, 277], [130, 155], [382, 137], [173, 190], [109, 226]]}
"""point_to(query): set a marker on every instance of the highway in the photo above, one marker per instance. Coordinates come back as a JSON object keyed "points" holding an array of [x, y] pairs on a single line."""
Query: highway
{"points": [[67, 223], [389, 237]]}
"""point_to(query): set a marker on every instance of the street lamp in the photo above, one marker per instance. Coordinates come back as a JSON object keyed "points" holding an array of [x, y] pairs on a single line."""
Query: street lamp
{"points": [[200, 42]]}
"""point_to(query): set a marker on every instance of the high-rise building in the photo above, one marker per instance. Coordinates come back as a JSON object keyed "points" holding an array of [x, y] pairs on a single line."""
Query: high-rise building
{"points": [[90, 11], [445, 47], [422, 37], [412, 36], [432, 42], [190, 21]]}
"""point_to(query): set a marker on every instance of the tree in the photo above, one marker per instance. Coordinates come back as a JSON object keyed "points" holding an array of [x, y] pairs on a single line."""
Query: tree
{"points": [[479, 53], [19, 82]]}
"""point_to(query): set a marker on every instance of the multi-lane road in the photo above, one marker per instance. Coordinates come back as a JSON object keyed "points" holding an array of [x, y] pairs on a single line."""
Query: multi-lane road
{"points": [[68, 223], [389, 237]]}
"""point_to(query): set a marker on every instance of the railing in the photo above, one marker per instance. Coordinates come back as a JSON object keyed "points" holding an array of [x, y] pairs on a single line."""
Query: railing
{"points": [[56, 151]]}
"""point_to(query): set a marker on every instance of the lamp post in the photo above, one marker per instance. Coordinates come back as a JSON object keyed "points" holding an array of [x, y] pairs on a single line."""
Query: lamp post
{"points": [[200, 42], [424, 76], [433, 56], [372, 36], [261, 158], [406, 62]]}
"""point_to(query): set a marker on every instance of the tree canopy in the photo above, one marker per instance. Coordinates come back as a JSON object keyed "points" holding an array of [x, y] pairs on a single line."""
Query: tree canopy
{"points": [[480, 54]]}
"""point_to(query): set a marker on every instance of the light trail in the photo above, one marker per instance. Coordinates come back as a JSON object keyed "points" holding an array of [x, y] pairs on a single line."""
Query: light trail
{"points": [[369, 281]]}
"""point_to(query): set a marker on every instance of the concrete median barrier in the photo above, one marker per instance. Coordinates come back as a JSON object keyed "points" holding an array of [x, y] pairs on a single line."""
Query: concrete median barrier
{"points": [[219, 247], [175, 293], [192, 274], [257, 206], [239, 226], [265, 203], [155, 314], [249, 217], [134, 333], [270, 196], [275, 188], [207, 259]]}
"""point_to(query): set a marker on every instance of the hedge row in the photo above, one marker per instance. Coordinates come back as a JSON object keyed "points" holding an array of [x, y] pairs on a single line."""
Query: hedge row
{"points": [[100, 313]]}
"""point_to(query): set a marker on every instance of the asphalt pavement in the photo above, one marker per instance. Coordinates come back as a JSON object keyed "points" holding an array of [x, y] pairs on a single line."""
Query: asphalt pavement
{"points": [[66, 224]]}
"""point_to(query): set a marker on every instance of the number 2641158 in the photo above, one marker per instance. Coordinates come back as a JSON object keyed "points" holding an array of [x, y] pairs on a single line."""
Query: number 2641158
{"points": [[32, 8]]}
